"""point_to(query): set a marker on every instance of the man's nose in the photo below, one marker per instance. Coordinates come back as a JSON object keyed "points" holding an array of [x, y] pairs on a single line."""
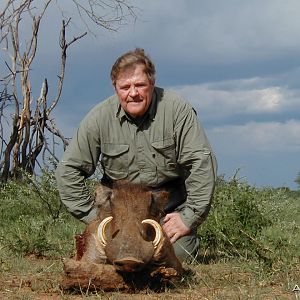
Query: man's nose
{"points": [[133, 91]]}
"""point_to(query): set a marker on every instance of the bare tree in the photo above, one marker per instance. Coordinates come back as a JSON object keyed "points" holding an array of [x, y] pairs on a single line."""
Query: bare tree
{"points": [[26, 123]]}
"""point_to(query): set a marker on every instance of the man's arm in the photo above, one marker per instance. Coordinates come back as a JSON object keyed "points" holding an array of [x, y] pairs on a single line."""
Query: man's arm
{"points": [[196, 158], [78, 163]]}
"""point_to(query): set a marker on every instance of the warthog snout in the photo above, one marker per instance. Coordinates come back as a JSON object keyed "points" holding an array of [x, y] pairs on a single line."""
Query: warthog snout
{"points": [[129, 264]]}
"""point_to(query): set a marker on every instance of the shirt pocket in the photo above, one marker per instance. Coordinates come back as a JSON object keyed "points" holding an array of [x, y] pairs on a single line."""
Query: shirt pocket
{"points": [[115, 160], [165, 153]]}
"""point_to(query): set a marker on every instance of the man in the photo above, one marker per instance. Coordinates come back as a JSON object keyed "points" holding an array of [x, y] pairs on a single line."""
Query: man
{"points": [[148, 136]]}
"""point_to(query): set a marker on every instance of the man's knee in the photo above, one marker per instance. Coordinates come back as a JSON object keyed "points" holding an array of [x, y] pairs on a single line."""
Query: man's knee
{"points": [[186, 248]]}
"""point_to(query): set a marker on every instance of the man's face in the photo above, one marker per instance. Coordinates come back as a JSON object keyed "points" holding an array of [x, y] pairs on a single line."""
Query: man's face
{"points": [[134, 90]]}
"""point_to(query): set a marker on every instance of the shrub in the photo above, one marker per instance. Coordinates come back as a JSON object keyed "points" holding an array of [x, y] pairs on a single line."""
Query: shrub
{"points": [[244, 221], [33, 218], [248, 222]]}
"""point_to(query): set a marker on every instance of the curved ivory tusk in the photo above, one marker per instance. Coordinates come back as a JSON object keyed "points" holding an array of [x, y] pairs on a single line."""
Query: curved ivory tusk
{"points": [[158, 231], [101, 230]]}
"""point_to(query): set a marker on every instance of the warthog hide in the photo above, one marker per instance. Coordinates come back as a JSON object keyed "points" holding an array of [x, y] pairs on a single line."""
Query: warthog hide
{"points": [[125, 248]]}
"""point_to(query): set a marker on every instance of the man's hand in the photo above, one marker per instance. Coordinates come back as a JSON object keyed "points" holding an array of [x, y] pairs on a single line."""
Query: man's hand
{"points": [[174, 227]]}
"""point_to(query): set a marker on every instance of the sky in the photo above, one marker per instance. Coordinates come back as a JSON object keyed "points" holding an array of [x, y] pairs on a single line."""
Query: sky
{"points": [[237, 62]]}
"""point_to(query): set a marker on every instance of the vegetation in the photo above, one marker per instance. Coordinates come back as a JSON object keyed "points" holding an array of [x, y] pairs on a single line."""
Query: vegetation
{"points": [[250, 243], [253, 223]]}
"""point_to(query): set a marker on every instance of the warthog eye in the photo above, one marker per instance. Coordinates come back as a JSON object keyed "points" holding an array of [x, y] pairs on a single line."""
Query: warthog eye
{"points": [[158, 231], [148, 232], [115, 233]]}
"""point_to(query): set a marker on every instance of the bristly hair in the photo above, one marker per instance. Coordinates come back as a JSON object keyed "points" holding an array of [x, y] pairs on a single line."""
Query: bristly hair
{"points": [[127, 185]]}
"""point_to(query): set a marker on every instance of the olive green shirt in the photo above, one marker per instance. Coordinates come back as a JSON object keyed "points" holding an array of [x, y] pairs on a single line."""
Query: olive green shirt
{"points": [[167, 143]]}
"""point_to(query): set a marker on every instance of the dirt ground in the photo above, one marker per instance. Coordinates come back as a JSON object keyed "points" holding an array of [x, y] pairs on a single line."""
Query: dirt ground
{"points": [[39, 279]]}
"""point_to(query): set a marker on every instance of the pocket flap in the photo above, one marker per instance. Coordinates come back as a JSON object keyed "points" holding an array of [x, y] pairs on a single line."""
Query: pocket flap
{"points": [[110, 149], [164, 144]]}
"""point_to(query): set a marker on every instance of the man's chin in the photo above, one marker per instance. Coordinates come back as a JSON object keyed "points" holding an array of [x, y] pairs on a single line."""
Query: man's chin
{"points": [[135, 110]]}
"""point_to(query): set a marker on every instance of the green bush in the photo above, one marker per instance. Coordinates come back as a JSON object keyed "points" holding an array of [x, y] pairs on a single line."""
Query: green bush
{"points": [[34, 220], [244, 221], [248, 222]]}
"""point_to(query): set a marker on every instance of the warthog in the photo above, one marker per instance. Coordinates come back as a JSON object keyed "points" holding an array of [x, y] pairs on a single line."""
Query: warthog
{"points": [[125, 246]]}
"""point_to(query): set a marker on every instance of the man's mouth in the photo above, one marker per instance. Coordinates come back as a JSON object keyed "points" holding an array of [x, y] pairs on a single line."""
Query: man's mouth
{"points": [[135, 101]]}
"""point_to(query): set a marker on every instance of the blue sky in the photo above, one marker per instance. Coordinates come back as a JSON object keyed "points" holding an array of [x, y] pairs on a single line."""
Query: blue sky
{"points": [[237, 62]]}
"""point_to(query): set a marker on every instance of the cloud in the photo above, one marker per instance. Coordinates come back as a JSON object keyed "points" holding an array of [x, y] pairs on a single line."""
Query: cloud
{"points": [[194, 32], [185, 35], [253, 96], [213, 32], [267, 137]]}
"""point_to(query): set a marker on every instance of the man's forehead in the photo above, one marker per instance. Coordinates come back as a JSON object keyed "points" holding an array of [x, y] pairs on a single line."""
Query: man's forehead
{"points": [[132, 71]]}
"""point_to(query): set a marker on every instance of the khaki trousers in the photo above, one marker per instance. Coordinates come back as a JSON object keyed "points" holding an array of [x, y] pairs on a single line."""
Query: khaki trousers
{"points": [[187, 247]]}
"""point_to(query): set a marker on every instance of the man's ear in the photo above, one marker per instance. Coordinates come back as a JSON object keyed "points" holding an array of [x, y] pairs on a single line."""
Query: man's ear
{"points": [[158, 203]]}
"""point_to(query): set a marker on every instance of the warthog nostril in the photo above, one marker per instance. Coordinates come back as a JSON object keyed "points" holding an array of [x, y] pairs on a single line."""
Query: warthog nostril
{"points": [[129, 264]]}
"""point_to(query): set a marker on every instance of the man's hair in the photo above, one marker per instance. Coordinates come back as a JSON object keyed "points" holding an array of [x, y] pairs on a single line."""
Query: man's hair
{"points": [[132, 58]]}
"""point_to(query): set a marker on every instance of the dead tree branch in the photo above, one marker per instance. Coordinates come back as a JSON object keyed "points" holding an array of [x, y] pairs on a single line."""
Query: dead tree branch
{"points": [[33, 132]]}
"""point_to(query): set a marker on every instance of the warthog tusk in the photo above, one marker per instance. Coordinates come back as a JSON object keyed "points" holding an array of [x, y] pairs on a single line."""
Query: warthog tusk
{"points": [[158, 231], [101, 230]]}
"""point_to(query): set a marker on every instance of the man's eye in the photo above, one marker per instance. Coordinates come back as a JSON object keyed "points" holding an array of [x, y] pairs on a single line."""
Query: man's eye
{"points": [[142, 85]]}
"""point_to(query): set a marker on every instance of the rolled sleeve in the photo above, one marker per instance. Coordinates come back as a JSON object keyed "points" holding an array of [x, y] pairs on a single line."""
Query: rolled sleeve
{"points": [[74, 193], [196, 158], [200, 187]]}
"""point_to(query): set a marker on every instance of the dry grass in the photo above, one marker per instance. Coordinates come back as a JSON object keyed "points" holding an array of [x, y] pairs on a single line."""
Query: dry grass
{"points": [[39, 279]]}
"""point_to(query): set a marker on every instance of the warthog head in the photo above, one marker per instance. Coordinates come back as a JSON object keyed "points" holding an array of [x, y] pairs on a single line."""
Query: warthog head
{"points": [[125, 246], [129, 228]]}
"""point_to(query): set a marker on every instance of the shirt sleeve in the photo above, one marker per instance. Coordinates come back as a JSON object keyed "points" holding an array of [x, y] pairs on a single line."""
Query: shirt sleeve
{"points": [[78, 163], [199, 165]]}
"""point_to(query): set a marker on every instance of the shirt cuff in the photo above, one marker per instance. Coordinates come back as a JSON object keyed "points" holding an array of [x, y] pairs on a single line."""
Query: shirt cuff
{"points": [[189, 218]]}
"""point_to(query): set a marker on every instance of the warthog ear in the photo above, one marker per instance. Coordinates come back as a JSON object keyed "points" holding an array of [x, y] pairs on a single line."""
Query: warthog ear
{"points": [[158, 203], [103, 196]]}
